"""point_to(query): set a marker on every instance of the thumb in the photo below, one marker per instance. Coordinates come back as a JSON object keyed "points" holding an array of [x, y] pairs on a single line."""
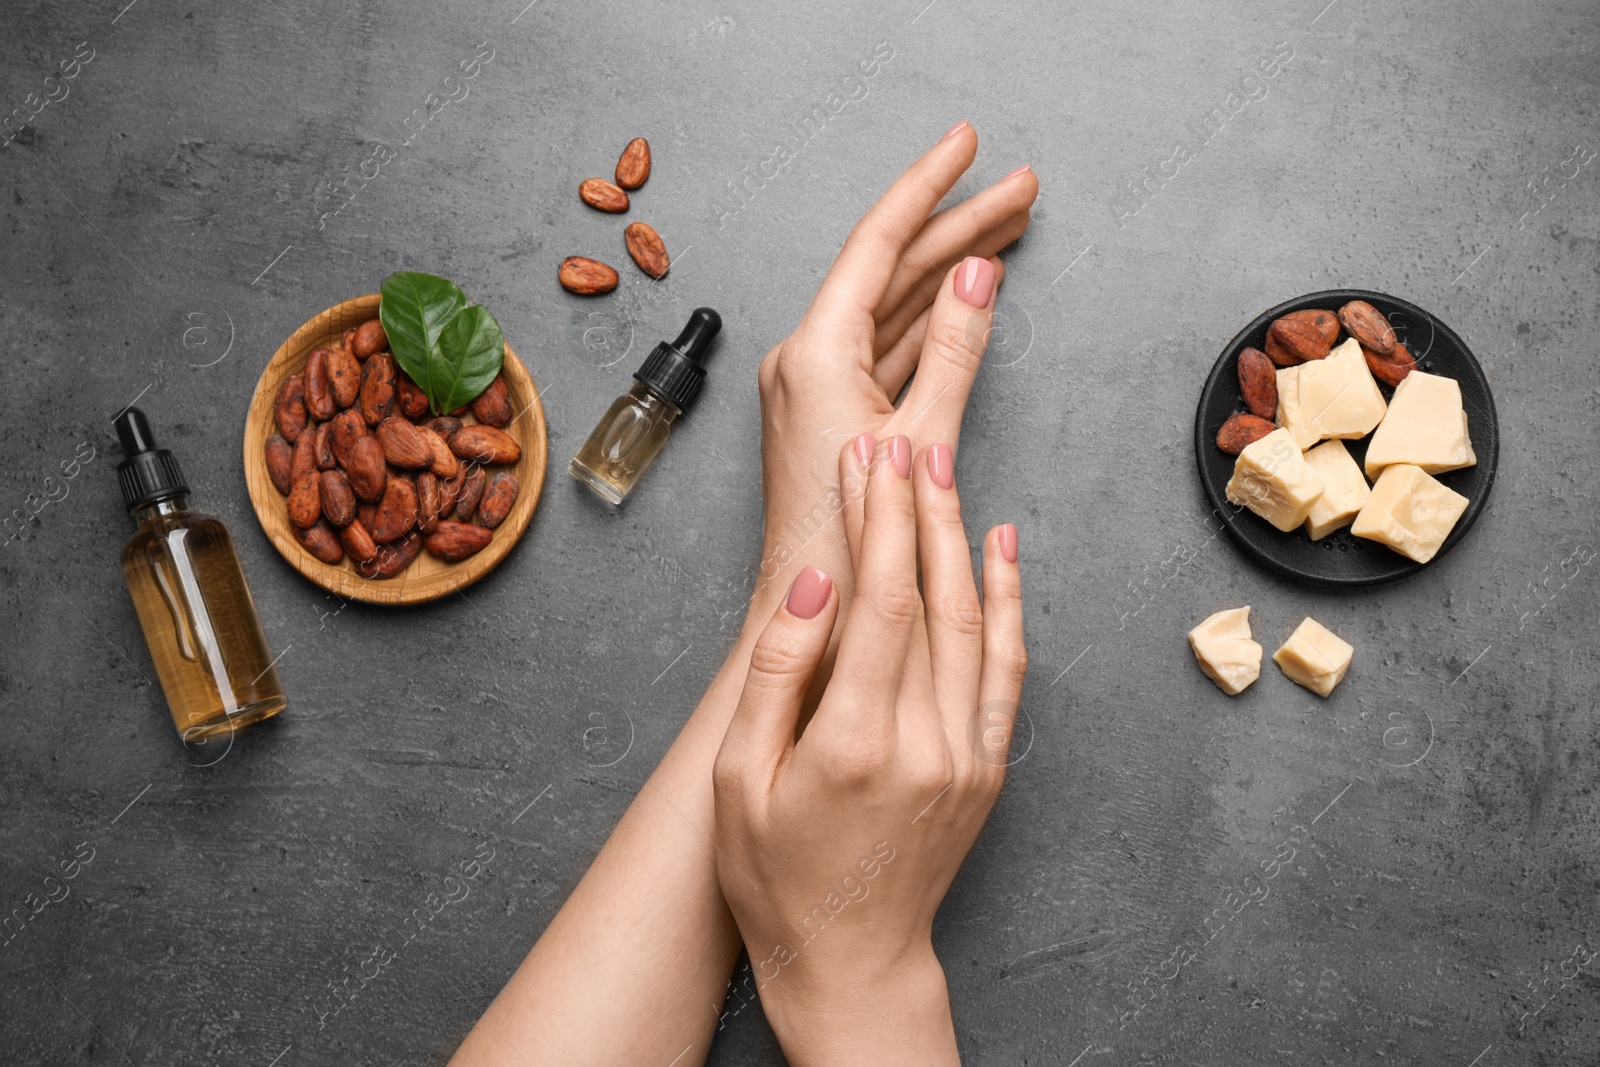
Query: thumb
{"points": [[782, 664]]}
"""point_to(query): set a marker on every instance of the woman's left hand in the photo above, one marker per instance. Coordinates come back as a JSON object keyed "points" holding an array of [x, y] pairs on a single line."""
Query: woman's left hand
{"points": [[835, 850]]}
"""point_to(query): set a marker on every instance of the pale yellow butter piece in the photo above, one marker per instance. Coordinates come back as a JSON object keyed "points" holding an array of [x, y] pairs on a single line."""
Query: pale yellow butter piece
{"points": [[1225, 651], [1289, 416], [1315, 657], [1344, 490], [1335, 396], [1426, 426], [1272, 479], [1410, 511]]}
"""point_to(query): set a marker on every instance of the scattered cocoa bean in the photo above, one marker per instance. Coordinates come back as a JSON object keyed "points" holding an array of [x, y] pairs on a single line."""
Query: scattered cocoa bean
{"points": [[646, 248], [633, 168], [586, 277], [603, 195]]}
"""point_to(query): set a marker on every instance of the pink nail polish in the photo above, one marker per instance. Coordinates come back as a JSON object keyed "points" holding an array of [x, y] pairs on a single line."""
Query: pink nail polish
{"points": [[809, 593], [957, 128], [866, 445], [975, 281], [900, 454], [1007, 536], [941, 466], [1016, 172]]}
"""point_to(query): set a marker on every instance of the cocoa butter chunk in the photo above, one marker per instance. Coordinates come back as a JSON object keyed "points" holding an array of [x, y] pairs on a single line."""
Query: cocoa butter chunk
{"points": [[1426, 426], [1225, 650], [1332, 397], [1272, 479], [1344, 489], [1315, 657], [1409, 510]]}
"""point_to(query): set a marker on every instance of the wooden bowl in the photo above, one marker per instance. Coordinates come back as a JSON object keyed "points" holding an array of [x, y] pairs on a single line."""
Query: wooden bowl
{"points": [[428, 578]]}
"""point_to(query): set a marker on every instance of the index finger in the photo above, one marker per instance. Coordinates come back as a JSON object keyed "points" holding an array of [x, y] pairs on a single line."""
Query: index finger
{"points": [[860, 276], [878, 627]]}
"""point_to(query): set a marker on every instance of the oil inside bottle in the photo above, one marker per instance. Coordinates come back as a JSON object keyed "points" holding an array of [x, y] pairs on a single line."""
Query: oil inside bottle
{"points": [[626, 440], [200, 622]]}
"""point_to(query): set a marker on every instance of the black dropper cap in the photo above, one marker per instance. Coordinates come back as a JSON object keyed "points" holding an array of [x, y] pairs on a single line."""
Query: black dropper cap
{"points": [[674, 372], [146, 473]]}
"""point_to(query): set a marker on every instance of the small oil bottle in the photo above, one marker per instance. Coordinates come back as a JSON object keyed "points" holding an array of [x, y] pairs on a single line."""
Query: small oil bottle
{"points": [[633, 432], [191, 596]]}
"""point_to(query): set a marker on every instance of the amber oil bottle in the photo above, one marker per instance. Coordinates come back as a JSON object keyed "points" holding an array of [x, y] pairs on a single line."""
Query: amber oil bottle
{"points": [[632, 433], [193, 603]]}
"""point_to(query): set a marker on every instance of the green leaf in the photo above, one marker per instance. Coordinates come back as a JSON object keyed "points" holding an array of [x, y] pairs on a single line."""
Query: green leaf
{"points": [[414, 309], [466, 359]]}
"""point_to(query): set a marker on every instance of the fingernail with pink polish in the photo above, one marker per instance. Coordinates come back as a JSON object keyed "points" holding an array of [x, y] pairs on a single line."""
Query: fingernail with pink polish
{"points": [[957, 128], [1016, 172], [941, 466], [809, 593], [975, 281], [1007, 536], [866, 445], [900, 454]]}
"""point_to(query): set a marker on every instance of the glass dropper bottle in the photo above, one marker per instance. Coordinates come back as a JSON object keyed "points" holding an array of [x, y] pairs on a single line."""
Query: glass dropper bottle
{"points": [[632, 433], [193, 603]]}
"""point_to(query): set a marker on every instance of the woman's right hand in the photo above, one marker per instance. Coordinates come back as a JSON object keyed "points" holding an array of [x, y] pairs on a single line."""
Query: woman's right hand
{"points": [[911, 292], [835, 850]]}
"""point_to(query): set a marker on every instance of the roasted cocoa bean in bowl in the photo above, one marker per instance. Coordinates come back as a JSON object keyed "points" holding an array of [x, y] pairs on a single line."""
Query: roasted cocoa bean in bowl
{"points": [[323, 503]]}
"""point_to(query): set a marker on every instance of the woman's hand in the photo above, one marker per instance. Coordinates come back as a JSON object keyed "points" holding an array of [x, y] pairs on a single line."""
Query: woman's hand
{"points": [[908, 293], [835, 850], [890, 303]]}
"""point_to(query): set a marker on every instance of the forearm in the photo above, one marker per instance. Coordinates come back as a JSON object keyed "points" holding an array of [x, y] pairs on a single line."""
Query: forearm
{"points": [[634, 967]]}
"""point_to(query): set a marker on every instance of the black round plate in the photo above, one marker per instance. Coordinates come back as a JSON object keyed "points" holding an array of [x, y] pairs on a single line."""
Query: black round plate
{"points": [[1340, 559]]}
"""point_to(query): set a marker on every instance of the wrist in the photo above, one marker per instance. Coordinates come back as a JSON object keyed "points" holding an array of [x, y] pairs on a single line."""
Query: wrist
{"points": [[846, 1012], [782, 559]]}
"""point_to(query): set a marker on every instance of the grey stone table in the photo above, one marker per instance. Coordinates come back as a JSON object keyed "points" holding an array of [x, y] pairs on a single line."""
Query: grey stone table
{"points": [[1403, 872]]}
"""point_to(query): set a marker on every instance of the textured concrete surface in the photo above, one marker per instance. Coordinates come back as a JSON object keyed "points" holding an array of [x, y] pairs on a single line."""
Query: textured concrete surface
{"points": [[1405, 872]]}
